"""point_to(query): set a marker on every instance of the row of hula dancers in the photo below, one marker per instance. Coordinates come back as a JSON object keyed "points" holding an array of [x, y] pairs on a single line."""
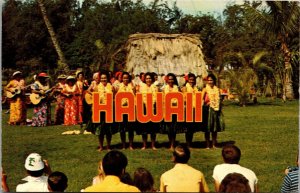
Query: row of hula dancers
{"points": [[212, 119], [72, 109]]}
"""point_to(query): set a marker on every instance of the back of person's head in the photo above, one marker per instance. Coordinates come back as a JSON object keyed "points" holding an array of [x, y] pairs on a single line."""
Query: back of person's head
{"points": [[181, 154], [126, 178], [231, 154], [57, 182], [143, 180], [114, 163], [34, 165], [234, 182]]}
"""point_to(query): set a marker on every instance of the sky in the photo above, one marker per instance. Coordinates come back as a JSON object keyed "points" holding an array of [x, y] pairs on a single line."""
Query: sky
{"points": [[205, 6]]}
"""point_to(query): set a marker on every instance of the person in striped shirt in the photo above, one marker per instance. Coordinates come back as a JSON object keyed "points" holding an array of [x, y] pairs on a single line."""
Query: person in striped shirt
{"points": [[291, 179]]}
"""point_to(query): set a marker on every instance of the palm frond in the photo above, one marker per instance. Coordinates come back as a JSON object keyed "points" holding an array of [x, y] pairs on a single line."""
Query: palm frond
{"points": [[258, 56]]}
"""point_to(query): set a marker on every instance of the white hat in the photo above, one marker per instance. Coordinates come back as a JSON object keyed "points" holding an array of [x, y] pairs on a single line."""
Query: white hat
{"points": [[34, 162], [17, 72], [71, 78]]}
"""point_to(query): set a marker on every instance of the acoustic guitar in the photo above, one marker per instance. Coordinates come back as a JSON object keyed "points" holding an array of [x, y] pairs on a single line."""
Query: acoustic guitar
{"points": [[88, 98], [12, 94], [37, 98]]}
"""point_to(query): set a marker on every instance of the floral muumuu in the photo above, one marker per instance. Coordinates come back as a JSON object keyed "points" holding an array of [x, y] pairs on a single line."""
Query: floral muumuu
{"points": [[184, 109]]}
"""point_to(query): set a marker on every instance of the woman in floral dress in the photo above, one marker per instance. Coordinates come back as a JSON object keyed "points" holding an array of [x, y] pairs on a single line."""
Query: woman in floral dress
{"points": [[42, 111], [71, 93], [17, 103]]}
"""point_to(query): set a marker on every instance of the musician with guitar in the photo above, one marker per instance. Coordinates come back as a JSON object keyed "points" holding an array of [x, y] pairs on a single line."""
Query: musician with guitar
{"points": [[15, 92], [40, 94], [71, 93], [60, 100]]}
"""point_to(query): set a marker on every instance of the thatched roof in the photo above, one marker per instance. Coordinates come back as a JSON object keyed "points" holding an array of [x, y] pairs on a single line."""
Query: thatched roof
{"points": [[164, 53]]}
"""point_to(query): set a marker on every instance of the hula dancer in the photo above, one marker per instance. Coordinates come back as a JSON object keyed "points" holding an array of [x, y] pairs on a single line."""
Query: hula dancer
{"points": [[171, 127], [104, 129], [191, 87], [150, 127], [126, 86], [212, 111]]}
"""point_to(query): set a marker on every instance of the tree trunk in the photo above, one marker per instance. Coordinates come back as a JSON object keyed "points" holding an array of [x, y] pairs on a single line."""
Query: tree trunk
{"points": [[288, 92], [62, 63]]}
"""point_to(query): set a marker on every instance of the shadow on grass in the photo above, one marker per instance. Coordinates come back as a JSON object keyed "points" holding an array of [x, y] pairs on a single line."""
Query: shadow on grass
{"points": [[166, 145]]}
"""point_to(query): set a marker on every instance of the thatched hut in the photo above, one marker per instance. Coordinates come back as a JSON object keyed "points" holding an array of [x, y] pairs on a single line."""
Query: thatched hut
{"points": [[164, 53]]}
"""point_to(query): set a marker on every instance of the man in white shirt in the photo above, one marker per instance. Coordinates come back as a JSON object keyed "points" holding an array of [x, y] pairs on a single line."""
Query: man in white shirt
{"points": [[231, 156], [36, 181]]}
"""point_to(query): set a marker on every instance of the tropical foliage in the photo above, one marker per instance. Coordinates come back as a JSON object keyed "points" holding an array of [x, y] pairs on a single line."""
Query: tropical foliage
{"points": [[90, 34]]}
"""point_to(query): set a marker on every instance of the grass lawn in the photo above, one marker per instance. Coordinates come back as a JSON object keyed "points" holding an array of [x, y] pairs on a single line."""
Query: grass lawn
{"points": [[267, 135]]}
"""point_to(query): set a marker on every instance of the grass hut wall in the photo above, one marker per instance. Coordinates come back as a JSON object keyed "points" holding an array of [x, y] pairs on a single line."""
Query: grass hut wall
{"points": [[164, 53]]}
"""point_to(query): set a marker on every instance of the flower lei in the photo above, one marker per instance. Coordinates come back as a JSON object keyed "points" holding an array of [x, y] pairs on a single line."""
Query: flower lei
{"points": [[146, 89], [103, 90], [169, 89], [214, 97], [193, 90], [124, 88], [71, 89], [189, 88]]}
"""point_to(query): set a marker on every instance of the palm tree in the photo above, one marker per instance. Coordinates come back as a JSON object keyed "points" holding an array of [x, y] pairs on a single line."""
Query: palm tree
{"points": [[62, 63], [281, 18], [243, 79]]}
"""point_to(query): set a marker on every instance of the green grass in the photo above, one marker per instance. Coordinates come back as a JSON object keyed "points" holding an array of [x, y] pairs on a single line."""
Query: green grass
{"points": [[267, 135]]}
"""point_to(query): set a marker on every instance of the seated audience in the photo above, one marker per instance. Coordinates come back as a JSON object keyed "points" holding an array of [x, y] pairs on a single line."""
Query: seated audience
{"points": [[143, 180], [57, 182], [36, 180], [235, 182], [114, 164], [231, 156], [182, 178]]}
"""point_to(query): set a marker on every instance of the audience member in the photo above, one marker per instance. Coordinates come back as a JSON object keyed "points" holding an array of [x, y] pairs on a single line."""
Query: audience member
{"points": [[231, 156], [182, 178], [235, 182], [99, 178], [36, 180], [57, 182], [114, 164], [291, 179], [143, 180], [126, 179], [4, 182]]}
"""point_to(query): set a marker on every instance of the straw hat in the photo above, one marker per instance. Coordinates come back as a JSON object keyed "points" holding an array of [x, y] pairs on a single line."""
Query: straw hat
{"points": [[62, 76]]}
